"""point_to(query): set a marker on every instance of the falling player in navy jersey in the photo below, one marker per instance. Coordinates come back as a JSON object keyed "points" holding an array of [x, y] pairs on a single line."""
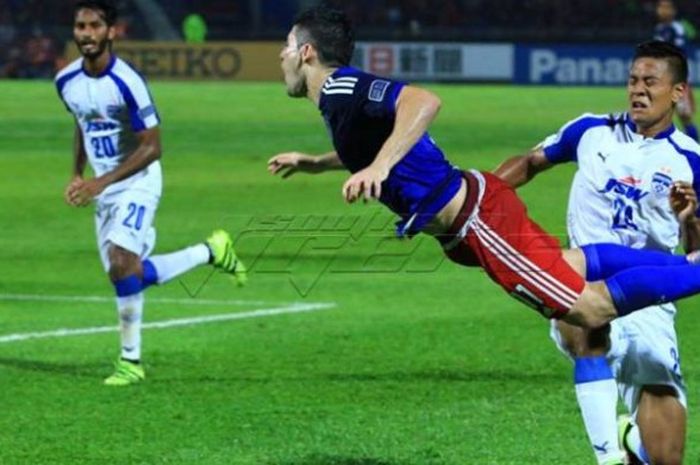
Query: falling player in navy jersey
{"points": [[378, 127], [670, 30]]}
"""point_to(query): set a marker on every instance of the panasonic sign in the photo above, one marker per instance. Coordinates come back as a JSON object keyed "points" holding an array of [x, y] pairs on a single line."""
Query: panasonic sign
{"points": [[580, 65]]}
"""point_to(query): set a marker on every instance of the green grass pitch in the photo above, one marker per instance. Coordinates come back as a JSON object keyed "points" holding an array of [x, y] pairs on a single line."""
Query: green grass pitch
{"points": [[417, 361]]}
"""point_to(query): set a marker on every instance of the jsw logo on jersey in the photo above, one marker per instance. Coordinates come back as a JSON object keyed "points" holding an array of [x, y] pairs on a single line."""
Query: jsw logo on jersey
{"points": [[625, 187], [95, 126]]}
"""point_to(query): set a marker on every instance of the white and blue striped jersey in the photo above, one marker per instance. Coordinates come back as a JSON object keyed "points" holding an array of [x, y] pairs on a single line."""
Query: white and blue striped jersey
{"points": [[620, 193], [110, 110]]}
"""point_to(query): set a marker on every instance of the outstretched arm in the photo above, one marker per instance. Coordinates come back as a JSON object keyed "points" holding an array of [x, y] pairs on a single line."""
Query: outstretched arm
{"points": [[415, 110], [289, 163], [148, 151], [519, 170]]}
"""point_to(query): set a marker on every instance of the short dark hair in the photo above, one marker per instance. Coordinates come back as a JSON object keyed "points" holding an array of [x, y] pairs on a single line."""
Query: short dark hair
{"points": [[674, 56], [105, 7], [329, 31]]}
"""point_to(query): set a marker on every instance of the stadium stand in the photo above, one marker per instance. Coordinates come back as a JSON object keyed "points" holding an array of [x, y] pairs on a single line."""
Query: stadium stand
{"points": [[33, 32]]}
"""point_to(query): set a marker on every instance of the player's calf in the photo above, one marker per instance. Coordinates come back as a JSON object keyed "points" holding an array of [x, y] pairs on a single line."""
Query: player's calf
{"points": [[125, 271], [622, 280], [661, 419]]}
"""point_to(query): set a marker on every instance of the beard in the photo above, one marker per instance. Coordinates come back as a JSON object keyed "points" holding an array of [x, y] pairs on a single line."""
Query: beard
{"points": [[99, 49], [298, 89]]}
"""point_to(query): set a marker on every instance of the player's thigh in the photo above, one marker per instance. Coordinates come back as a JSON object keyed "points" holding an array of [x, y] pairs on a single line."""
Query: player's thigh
{"points": [[124, 226], [519, 255], [662, 423], [104, 218], [652, 357], [583, 342], [576, 260], [131, 228]]}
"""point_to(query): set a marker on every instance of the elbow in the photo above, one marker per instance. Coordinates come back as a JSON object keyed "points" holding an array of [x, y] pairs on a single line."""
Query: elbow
{"points": [[156, 152], [434, 105]]}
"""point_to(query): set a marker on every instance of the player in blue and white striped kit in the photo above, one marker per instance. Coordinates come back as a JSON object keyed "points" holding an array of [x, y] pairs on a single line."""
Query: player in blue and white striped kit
{"points": [[116, 131], [672, 31], [627, 164]]}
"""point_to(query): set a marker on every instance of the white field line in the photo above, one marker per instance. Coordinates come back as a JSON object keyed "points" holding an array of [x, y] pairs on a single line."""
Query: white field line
{"points": [[111, 300], [64, 332]]}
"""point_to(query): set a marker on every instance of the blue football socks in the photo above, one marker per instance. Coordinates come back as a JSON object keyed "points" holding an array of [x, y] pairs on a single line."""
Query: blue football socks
{"points": [[640, 278], [128, 286], [641, 287], [605, 260]]}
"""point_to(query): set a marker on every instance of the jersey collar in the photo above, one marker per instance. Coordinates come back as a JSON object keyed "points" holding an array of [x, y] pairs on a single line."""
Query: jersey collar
{"points": [[340, 72], [662, 135], [107, 70]]}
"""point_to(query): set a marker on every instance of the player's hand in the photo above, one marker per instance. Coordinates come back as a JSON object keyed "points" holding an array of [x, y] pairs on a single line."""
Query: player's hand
{"points": [[290, 162], [366, 183], [82, 192], [684, 201], [72, 185]]}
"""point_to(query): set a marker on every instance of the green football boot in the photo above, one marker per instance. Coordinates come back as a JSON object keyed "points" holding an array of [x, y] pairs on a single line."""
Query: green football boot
{"points": [[125, 373], [614, 462], [223, 256], [624, 425]]}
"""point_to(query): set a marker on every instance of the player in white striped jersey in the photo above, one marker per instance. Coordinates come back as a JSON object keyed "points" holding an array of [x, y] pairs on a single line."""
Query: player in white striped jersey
{"points": [[628, 165], [117, 133]]}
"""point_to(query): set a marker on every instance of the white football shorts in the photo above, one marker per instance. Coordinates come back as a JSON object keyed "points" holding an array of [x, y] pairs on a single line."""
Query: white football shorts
{"points": [[126, 219], [643, 351]]}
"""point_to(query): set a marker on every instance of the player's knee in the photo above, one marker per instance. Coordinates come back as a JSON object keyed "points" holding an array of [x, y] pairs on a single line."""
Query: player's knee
{"points": [[594, 307], [119, 270], [589, 316], [582, 342], [572, 338], [122, 263], [584, 318]]}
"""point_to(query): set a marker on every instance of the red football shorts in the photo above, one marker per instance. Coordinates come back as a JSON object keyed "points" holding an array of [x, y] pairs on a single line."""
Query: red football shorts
{"points": [[494, 232]]}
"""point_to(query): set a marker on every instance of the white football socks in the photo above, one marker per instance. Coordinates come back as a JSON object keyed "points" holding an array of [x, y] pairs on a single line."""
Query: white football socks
{"points": [[598, 403], [130, 314], [172, 265]]}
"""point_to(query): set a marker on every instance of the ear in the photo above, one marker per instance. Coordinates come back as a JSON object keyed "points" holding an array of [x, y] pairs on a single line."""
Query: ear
{"points": [[111, 32], [679, 90], [307, 53]]}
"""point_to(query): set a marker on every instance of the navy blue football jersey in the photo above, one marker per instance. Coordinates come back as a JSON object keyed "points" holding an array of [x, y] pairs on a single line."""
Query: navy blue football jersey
{"points": [[359, 110], [673, 33]]}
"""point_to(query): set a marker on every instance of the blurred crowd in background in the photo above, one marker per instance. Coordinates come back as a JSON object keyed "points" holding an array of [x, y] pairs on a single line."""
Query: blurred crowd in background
{"points": [[33, 33]]}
